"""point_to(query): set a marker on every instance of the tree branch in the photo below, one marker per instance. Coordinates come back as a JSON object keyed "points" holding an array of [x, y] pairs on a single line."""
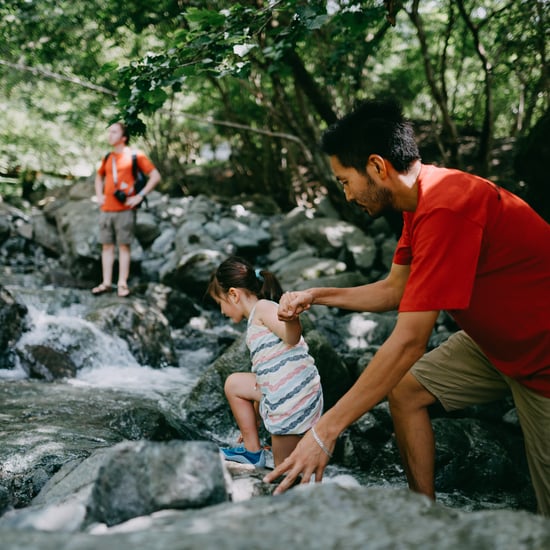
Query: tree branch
{"points": [[56, 76]]}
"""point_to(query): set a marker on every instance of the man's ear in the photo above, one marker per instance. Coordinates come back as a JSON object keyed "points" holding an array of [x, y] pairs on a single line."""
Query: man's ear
{"points": [[378, 164]]}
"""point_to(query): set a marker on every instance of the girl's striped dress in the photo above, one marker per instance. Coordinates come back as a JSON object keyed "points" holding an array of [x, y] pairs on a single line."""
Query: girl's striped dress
{"points": [[292, 398]]}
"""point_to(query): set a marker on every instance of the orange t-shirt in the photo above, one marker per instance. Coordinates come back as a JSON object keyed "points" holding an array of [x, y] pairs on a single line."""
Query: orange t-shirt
{"points": [[482, 254], [125, 177]]}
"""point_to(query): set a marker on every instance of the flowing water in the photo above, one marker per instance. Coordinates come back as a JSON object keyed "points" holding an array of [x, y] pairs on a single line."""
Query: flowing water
{"points": [[103, 360]]}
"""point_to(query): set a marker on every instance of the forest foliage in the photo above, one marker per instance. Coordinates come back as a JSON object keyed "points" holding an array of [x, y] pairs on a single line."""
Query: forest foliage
{"points": [[261, 80]]}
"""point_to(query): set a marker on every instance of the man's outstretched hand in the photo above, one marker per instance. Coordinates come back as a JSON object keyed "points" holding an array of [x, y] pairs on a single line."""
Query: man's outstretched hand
{"points": [[293, 303], [307, 459]]}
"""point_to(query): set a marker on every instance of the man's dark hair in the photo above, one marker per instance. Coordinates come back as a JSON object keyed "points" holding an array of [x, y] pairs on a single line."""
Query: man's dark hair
{"points": [[373, 127], [125, 131]]}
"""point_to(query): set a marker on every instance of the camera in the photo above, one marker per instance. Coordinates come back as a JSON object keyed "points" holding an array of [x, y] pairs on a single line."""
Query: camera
{"points": [[120, 195]]}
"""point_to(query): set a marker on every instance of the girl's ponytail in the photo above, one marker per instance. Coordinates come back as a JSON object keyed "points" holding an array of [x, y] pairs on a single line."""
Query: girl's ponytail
{"points": [[239, 273]]}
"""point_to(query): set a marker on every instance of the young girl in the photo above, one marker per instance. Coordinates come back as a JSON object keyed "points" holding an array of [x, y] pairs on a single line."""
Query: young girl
{"points": [[284, 383]]}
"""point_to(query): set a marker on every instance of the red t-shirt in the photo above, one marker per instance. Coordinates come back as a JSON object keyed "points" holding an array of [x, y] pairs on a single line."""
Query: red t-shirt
{"points": [[125, 177], [482, 254]]}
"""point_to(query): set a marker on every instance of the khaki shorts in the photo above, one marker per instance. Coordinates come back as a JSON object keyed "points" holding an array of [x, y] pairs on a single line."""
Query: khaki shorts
{"points": [[458, 374], [117, 227]]}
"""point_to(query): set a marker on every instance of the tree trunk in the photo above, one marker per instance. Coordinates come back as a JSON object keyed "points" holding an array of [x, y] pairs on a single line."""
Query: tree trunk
{"points": [[449, 128], [486, 137]]}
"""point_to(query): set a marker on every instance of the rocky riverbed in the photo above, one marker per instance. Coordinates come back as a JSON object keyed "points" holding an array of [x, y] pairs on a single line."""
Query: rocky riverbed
{"points": [[112, 410]]}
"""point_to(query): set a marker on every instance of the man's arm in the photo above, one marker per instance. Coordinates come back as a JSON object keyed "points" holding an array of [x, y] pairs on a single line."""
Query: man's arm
{"points": [[99, 189], [154, 178], [383, 295], [395, 357]]}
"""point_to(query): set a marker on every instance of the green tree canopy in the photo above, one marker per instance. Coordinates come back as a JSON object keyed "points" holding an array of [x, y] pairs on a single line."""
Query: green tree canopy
{"points": [[266, 77]]}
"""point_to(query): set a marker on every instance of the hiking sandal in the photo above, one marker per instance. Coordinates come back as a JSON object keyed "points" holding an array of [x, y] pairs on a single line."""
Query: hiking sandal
{"points": [[101, 289], [123, 291]]}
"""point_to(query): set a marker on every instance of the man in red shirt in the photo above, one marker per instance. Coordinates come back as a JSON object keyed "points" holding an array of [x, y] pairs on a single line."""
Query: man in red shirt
{"points": [[468, 247], [114, 187]]}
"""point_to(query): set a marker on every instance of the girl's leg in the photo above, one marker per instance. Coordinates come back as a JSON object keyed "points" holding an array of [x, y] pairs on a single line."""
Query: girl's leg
{"points": [[282, 446], [241, 392]]}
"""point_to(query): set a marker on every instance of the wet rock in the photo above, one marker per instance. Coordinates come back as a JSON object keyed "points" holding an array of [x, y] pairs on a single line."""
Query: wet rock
{"points": [[46, 363], [316, 517], [141, 478], [45, 426], [176, 306], [12, 325], [145, 329]]}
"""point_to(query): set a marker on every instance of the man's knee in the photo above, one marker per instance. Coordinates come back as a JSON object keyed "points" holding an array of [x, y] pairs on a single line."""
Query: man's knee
{"points": [[409, 394]]}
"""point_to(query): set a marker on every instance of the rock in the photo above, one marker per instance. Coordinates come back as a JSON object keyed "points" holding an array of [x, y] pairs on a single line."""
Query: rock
{"points": [[147, 228], [316, 517], [144, 328], [332, 238], [12, 325], [335, 378], [178, 308], [46, 426], [305, 266], [206, 408], [141, 478], [45, 234], [46, 363], [5, 227], [77, 224], [192, 272]]}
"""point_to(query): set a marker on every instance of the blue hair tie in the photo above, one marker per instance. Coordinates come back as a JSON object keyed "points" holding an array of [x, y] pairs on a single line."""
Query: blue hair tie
{"points": [[259, 275]]}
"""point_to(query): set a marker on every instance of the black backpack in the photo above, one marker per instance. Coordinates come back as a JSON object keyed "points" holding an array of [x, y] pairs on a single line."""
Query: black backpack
{"points": [[140, 179]]}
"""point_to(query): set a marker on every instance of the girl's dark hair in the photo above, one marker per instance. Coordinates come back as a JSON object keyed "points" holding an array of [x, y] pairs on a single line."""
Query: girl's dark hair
{"points": [[373, 127], [238, 273]]}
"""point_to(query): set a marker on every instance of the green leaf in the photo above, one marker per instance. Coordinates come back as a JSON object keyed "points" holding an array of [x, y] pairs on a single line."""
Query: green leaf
{"points": [[200, 17], [108, 67], [156, 97]]}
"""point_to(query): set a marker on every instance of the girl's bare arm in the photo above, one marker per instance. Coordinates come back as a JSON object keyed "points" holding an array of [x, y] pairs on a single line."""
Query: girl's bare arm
{"points": [[288, 331]]}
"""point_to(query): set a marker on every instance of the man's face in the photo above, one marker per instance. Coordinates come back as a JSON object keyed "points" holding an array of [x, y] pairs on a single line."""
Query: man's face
{"points": [[115, 135], [362, 189]]}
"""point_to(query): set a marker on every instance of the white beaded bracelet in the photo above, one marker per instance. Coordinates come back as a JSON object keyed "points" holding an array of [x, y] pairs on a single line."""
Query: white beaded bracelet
{"points": [[320, 443]]}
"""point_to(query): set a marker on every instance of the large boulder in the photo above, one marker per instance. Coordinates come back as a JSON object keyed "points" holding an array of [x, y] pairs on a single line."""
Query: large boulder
{"points": [[46, 426], [143, 327], [141, 478], [314, 517]]}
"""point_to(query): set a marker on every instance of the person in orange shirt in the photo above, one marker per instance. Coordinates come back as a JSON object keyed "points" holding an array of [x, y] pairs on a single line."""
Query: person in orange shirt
{"points": [[114, 188]]}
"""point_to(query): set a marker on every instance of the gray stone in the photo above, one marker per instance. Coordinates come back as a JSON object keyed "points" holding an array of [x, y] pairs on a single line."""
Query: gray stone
{"points": [[317, 517], [141, 478]]}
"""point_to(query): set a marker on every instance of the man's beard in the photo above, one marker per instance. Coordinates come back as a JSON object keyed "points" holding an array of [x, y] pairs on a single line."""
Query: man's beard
{"points": [[380, 196]]}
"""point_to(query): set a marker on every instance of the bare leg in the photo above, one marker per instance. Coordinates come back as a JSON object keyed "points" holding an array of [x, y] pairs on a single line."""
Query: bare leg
{"points": [[282, 446], [409, 402], [123, 264], [241, 392], [107, 262]]}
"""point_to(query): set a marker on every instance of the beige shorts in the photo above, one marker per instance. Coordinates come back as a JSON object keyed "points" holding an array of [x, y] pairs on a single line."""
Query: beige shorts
{"points": [[117, 227], [458, 374]]}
